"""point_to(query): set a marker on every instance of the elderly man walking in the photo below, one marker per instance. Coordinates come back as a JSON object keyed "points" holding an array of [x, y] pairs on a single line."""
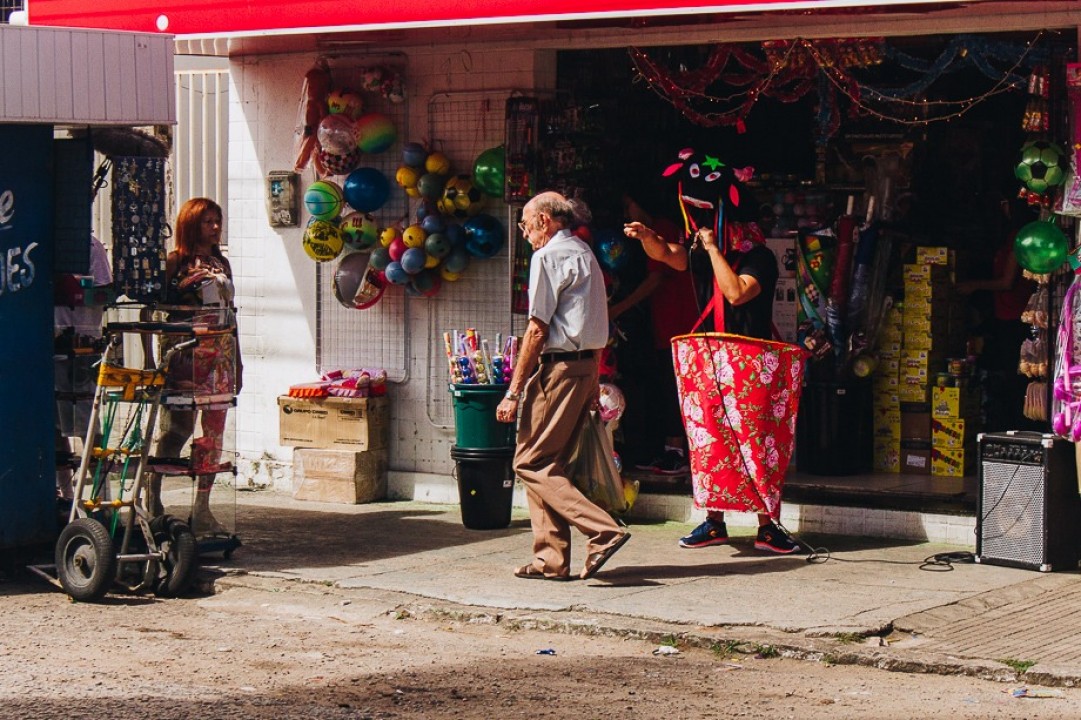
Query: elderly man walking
{"points": [[555, 380]]}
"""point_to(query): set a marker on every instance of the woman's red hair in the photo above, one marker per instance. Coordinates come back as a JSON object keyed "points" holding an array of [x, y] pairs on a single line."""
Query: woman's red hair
{"points": [[189, 226]]}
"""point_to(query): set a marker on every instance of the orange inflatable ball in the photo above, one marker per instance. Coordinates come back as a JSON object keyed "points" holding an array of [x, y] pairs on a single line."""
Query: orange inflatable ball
{"points": [[414, 236], [448, 275], [388, 235], [437, 163]]}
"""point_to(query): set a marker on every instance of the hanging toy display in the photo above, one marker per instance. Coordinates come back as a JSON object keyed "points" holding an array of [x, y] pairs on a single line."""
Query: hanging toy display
{"points": [[1066, 391], [1040, 247], [1043, 166], [313, 106]]}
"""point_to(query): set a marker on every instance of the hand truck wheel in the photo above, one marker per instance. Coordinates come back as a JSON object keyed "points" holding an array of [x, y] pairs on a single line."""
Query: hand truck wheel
{"points": [[176, 539], [85, 559]]}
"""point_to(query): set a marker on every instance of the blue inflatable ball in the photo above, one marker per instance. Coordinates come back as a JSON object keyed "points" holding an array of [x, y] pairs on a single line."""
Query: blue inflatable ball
{"points": [[457, 261], [396, 273], [484, 236], [413, 260], [380, 258], [414, 154], [456, 234], [437, 245], [610, 249], [426, 208], [426, 283], [433, 223], [366, 189]]}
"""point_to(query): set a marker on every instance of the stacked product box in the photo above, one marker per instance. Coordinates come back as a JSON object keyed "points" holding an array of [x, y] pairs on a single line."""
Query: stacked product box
{"points": [[931, 327], [887, 401], [955, 413]]}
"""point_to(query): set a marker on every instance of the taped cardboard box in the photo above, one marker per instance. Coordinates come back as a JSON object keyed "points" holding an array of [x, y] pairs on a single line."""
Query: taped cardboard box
{"points": [[355, 424], [339, 476]]}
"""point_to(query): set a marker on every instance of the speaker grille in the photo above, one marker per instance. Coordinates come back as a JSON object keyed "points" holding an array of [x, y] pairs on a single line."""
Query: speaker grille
{"points": [[1013, 522]]}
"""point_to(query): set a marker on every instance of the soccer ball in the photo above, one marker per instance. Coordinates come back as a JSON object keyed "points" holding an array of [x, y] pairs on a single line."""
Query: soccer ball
{"points": [[1042, 166], [461, 198]]}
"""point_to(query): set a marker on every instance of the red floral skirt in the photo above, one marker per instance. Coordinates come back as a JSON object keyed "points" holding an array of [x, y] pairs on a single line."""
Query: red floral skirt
{"points": [[739, 397]]}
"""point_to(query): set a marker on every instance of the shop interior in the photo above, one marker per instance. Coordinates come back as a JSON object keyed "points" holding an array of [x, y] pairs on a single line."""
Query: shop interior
{"points": [[915, 140]]}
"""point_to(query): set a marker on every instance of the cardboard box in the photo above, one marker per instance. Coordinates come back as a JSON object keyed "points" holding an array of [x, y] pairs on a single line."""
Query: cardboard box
{"points": [[955, 403], [916, 457], [929, 255], [339, 476], [887, 455], [952, 463], [915, 421], [913, 390], [332, 423], [952, 434]]}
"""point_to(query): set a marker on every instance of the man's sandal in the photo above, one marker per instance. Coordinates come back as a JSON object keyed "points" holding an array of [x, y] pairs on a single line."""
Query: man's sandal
{"points": [[597, 560], [530, 572]]}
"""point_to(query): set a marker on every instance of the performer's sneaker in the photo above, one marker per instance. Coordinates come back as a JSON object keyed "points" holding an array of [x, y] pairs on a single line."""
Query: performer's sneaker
{"points": [[774, 539], [708, 533]]}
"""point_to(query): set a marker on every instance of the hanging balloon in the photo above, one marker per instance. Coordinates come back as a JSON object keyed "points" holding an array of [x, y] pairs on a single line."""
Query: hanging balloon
{"points": [[322, 241], [610, 249], [433, 223], [380, 258], [437, 163], [345, 101], [426, 283], [414, 236], [484, 236], [457, 261], [1043, 166], [430, 185], [366, 189], [388, 235], [397, 248], [1040, 247], [323, 199], [437, 245], [413, 260], [456, 234], [414, 154], [348, 276], [488, 171], [396, 273], [359, 231], [375, 133], [337, 134], [339, 164], [406, 177]]}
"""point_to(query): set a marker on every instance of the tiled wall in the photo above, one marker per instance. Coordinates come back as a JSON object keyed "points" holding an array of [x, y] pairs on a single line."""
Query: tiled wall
{"points": [[275, 279]]}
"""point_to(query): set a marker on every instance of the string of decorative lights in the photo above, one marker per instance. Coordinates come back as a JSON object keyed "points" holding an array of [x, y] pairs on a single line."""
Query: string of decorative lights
{"points": [[791, 69]]}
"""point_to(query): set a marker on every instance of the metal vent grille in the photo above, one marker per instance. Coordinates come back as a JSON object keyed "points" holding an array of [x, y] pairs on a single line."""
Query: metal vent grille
{"points": [[1013, 522]]}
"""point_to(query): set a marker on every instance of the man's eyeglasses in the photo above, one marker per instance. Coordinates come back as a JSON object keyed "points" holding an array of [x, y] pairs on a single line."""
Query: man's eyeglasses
{"points": [[523, 226]]}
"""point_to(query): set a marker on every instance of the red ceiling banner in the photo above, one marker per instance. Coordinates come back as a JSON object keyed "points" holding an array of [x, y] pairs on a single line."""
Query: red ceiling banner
{"points": [[250, 17]]}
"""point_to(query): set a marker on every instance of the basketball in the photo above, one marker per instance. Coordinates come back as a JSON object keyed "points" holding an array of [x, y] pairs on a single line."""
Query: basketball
{"points": [[323, 241], [375, 133], [323, 199]]}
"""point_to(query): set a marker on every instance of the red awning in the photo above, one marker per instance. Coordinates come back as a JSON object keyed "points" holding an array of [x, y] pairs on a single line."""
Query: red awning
{"points": [[257, 17]]}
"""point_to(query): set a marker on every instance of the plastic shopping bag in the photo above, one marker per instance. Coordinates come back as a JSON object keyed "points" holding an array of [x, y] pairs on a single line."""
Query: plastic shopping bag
{"points": [[592, 468]]}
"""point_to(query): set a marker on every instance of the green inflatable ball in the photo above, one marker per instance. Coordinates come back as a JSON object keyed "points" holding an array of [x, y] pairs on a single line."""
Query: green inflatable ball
{"points": [[1040, 247], [488, 171]]}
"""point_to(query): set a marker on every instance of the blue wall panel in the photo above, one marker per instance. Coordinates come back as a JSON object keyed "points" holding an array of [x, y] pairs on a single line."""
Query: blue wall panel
{"points": [[27, 475]]}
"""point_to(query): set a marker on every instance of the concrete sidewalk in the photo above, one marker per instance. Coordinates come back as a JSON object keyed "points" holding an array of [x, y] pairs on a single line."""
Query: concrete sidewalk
{"points": [[875, 602]]}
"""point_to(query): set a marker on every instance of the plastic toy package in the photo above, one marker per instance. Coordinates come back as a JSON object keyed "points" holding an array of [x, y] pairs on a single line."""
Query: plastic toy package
{"points": [[1066, 396]]}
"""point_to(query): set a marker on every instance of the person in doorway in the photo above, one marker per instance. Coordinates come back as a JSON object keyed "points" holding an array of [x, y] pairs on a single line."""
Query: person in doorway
{"points": [[1003, 330], [77, 336], [673, 309], [199, 276], [555, 380]]}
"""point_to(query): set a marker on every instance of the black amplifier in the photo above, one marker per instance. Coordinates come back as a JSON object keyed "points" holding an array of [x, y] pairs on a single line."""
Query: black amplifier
{"points": [[1029, 511]]}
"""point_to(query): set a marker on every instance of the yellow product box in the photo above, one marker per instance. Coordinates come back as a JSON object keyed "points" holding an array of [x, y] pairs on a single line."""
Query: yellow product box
{"points": [[889, 348], [912, 390], [915, 274], [951, 403], [923, 359], [952, 434], [938, 324], [934, 255], [886, 384], [887, 422], [951, 463], [886, 454], [888, 367], [926, 341], [334, 423]]}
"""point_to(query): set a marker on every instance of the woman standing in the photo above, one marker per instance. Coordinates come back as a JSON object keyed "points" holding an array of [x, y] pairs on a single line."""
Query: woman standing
{"points": [[200, 280]]}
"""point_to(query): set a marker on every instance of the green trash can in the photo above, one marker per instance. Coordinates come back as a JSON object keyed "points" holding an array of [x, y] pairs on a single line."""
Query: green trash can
{"points": [[475, 425]]}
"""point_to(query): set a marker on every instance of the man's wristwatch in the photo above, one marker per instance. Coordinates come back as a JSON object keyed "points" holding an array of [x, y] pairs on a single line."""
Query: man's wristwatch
{"points": [[512, 395]]}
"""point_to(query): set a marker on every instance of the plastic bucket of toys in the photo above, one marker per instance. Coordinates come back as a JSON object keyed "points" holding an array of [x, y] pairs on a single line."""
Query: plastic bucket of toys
{"points": [[475, 424], [739, 397]]}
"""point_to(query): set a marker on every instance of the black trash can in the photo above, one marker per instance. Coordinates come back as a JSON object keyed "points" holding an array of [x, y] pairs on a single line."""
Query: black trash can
{"points": [[485, 486], [835, 428]]}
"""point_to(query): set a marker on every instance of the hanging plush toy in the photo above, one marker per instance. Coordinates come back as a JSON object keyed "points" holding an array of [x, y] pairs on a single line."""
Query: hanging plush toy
{"points": [[313, 107]]}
